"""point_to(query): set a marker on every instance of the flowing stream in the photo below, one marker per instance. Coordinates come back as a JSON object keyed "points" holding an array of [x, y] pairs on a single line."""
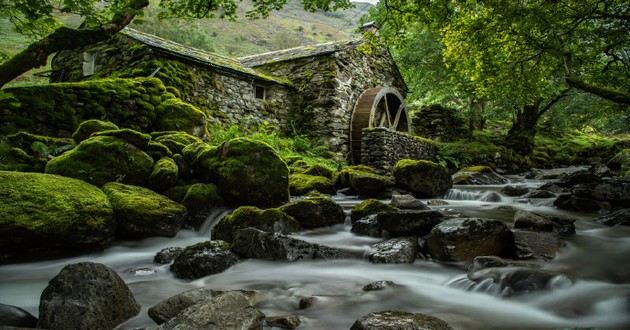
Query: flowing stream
{"points": [[597, 257]]}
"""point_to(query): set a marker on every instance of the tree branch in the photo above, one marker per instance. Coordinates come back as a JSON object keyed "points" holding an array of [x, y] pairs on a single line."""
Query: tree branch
{"points": [[63, 38], [605, 93]]}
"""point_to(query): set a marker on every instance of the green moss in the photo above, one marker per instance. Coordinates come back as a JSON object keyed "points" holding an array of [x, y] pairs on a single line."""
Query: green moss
{"points": [[141, 212], [177, 193], [363, 180], [319, 170], [53, 145], [270, 220], [86, 128], [177, 115], [247, 172], [421, 177], [164, 174], [50, 211], [621, 162], [302, 184], [369, 207], [102, 159], [196, 152], [202, 196], [157, 150], [315, 212], [177, 141], [140, 140]]}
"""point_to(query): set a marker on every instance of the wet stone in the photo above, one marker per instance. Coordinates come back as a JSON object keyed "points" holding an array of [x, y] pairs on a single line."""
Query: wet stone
{"points": [[283, 322], [397, 320], [379, 285], [408, 202], [167, 255], [537, 245], [394, 251]]}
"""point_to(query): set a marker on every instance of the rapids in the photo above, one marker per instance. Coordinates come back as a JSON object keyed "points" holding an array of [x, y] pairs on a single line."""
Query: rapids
{"points": [[598, 257]]}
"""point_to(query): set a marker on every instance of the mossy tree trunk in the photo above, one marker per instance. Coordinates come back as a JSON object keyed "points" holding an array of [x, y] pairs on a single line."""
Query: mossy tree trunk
{"points": [[520, 137], [605, 93], [63, 38]]}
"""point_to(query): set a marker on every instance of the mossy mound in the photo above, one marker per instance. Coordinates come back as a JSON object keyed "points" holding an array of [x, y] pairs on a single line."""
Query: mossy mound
{"points": [[35, 143], [157, 150], [302, 184], [247, 172], [363, 180], [138, 139], [164, 174], [177, 141], [42, 211], [484, 151], [478, 175], [200, 199], [140, 212], [90, 126], [369, 207], [269, 220], [422, 178], [28, 152], [103, 159], [141, 104], [319, 170], [315, 212]]}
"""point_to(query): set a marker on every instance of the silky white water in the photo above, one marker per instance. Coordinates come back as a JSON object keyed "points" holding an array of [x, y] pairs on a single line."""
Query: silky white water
{"points": [[598, 257]]}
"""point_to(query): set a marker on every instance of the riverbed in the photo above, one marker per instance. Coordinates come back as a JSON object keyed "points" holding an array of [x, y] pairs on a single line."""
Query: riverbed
{"points": [[597, 259]]}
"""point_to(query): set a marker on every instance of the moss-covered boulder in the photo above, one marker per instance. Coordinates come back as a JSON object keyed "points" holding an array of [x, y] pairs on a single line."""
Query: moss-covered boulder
{"points": [[90, 126], [103, 159], [157, 150], [422, 178], [141, 212], [302, 184], [363, 180], [177, 141], [247, 172], [177, 115], [319, 170], [269, 220], [28, 152], [315, 212], [138, 139], [42, 211], [369, 207], [199, 199], [164, 174], [478, 175]]}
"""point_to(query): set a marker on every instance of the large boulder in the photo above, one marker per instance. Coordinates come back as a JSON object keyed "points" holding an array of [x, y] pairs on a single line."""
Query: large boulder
{"points": [[398, 320], [369, 207], [200, 199], [401, 250], [617, 218], [247, 172], [606, 195], [537, 222], [103, 159], [301, 184], [203, 259], [407, 222], [269, 220], [536, 245], [12, 316], [138, 139], [253, 243], [90, 126], [43, 211], [408, 202], [86, 295], [141, 213], [164, 174], [422, 178], [315, 212], [462, 239], [478, 175], [363, 181], [228, 311], [175, 141]]}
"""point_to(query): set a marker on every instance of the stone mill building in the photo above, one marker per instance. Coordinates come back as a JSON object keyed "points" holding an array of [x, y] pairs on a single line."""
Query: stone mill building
{"points": [[333, 91]]}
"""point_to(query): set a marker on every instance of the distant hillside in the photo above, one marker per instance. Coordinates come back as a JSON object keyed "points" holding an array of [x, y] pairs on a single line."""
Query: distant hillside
{"points": [[290, 27]]}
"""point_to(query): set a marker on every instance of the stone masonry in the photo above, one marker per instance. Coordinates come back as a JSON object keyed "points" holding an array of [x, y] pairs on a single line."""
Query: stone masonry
{"points": [[381, 148]]}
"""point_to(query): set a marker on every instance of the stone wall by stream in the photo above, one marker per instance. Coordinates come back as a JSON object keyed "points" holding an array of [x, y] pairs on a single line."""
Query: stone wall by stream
{"points": [[381, 148]]}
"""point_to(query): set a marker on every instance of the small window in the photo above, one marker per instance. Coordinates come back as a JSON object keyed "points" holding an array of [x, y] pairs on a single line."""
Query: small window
{"points": [[89, 63], [260, 92]]}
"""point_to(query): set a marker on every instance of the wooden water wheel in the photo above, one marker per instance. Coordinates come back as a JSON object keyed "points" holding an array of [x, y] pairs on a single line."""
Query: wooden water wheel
{"points": [[377, 107]]}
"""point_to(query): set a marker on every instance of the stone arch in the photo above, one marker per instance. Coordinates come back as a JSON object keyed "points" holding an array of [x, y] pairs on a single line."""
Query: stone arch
{"points": [[377, 107]]}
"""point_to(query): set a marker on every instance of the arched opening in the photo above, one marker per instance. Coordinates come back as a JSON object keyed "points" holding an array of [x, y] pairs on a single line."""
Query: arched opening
{"points": [[377, 107]]}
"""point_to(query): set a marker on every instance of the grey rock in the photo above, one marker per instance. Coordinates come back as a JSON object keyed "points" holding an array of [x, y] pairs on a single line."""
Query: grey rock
{"points": [[203, 259], [514, 191], [478, 175], [537, 222], [367, 226], [401, 250], [315, 212], [253, 243], [511, 281], [617, 218], [461, 239], [228, 311], [283, 322], [86, 295], [483, 262], [379, 285], [408, 202], [408, 222], [540, 193], [306, 302], [167, 255], [538, 245], [16, 317], [397, 320]]}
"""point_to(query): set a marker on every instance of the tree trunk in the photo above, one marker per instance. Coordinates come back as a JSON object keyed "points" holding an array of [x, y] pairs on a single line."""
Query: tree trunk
{"points": [[36, 54], [605, 93], [520, 137], [475, 120]]}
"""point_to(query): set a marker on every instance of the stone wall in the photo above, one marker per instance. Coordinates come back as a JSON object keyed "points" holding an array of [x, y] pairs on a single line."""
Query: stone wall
{"points": [[330, 85], [382, 148], [226, 98]]}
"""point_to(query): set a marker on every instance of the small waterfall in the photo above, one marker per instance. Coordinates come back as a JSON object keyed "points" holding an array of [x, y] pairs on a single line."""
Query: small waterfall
{"points": [[215, 216], [477, 195]]}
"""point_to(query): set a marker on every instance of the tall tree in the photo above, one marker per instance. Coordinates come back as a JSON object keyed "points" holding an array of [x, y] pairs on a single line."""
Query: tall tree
{"points": [[105, 18]]}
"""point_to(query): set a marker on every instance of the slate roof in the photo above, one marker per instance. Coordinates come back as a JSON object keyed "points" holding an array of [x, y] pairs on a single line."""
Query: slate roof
{"points": [[296, 53], [200, 56]]}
